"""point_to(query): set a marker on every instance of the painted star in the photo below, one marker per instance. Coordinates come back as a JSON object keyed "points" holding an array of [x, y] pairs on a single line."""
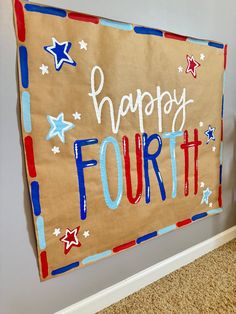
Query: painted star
{"points": [[76, 115], [57, 231], [192, 66], [206, 194], [213, 148], [180, 69], [202, 56], [60, 53], [86, 234], [202, 184], [44, 69], [56, 150], [58, 126], [83, 45], [210, 204], [70, 239], [200, 124], [210, 134]]}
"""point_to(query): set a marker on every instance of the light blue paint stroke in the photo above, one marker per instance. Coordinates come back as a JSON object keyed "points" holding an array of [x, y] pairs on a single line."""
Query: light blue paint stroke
{"points": [[41, 234], [114, 24], [198, 41], [166, 229], [172, 136], [221, 153], [110, 203], [96, 257], [25, 100], [214, 211]]}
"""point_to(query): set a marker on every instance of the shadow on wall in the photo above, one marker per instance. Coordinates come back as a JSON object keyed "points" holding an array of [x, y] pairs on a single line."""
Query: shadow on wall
{"points": [[27, 202]]}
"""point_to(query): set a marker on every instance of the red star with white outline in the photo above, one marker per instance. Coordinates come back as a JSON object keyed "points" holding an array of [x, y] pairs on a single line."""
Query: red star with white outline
{"points": [[70, 239], [192, 66]]}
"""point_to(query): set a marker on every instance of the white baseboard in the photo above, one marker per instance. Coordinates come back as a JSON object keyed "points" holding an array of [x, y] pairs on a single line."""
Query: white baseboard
{"points": [[122, 289]]}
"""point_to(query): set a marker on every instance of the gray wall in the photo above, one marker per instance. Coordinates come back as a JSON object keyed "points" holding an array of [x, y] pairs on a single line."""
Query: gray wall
{"points": [[21, 290]]}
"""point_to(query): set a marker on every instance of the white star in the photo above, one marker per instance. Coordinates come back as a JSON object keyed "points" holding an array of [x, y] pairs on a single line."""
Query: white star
{"points": [[202, 56], [210, 204], [213, 148], [86, 233], [202, 184], [180, 69], [200, 123], [83, 45], [57, 231], [44, 69], [56, 150], [76, 115]]}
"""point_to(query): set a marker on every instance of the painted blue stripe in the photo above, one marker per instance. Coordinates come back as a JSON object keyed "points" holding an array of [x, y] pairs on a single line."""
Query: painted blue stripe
{"points": [[214, 211], [96, 257], [221, 152], [220, 174], [222, 108], [199, 216], [25, 100], [63, 269], [198, 41], [114, 24], [216, 45], [146, 237], [41, 234], [24, 66], [35, 198], [45, 10], [166, 229], [147, 31]]}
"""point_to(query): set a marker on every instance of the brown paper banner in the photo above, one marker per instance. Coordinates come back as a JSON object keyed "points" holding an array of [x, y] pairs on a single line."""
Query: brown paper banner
{"points": [[122, 132]]}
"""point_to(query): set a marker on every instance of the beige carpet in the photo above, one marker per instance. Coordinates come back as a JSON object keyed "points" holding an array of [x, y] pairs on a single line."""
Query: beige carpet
{"points": [[208, 285]]}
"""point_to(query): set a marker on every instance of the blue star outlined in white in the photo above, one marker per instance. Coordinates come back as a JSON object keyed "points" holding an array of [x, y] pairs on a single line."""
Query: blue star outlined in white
{"points": [[210, 134], [58, 126], [205, 196], [60, 53]]}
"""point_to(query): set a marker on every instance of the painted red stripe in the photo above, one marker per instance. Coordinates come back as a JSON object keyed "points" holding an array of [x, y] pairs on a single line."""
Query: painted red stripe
{"points": [[124, 246], [20, 20], [29, 151], [83, 17], [220, 196], [222, 130], [225, 56], [44, 264], [175, 36], [183, 222]]}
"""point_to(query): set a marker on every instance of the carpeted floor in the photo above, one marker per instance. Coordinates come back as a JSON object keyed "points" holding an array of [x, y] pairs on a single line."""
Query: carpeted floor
{"points": [[208, 285]]}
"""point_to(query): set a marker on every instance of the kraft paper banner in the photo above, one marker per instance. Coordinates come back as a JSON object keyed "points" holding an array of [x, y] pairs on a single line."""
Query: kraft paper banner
{"points": [[122, 132]]}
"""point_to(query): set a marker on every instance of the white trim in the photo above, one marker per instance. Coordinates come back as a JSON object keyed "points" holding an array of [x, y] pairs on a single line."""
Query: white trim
{"points": [[122, 289]]}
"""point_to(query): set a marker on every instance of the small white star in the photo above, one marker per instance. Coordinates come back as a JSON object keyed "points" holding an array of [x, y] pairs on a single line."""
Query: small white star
{"points": [[83, 45], [202, 56], [56, 150], [86, 233], [213, 148], [200, 123], [180, 69], [210, 204], [57, 231], [202, 184], [44, 69], [76, 115]]}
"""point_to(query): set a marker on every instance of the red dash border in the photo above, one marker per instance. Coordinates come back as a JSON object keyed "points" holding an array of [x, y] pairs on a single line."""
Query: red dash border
{"points": [[175, 36], [44, 264], [83, 17], [220, 195], [183, 222], [123, 246], [29, 151], [20, 20]]}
